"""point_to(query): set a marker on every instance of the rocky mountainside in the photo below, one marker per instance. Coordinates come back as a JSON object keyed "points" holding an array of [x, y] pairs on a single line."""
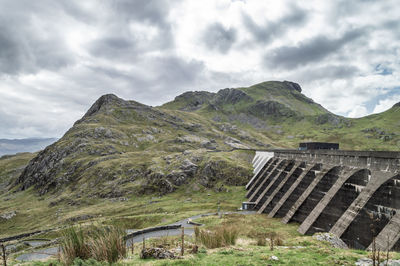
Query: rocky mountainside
{"points": [[121, 147]]}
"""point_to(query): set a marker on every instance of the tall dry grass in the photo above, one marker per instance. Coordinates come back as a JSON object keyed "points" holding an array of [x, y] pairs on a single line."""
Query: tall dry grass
{"points": [[100, 243], [73, 245], [107, 244], [221, 236]]}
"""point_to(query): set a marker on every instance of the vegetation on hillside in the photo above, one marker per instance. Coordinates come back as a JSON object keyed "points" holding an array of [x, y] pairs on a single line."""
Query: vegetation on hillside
{"points": [[291, 248]]}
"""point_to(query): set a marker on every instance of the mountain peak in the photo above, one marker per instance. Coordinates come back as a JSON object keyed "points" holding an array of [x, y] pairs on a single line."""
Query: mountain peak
{"points": [[104, 100], [396, 105]]}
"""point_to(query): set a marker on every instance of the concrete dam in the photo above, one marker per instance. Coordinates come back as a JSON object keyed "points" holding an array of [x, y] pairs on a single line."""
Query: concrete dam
{"points": [[352, 194]]}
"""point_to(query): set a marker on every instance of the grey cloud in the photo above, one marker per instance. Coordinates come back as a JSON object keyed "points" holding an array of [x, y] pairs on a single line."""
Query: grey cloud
{"points": [[113, 47], [312, 50], [217, 37], [169, 76], [328, 72], [118, 41], [149, 11], [265, 33], [24, 48]]}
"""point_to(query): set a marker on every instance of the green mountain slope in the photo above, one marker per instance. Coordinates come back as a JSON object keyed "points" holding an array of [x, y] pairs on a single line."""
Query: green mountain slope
{"points": [[280, 112]]}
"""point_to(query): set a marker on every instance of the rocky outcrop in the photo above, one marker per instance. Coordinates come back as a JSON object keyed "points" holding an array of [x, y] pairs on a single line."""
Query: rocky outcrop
{"points": [[273, 109], [328, 118], [332, 239], [194, 100], [42, 170], [214, 172], [8, 215], [156, 253], [235, 143], [231, 96], [292, 85]]}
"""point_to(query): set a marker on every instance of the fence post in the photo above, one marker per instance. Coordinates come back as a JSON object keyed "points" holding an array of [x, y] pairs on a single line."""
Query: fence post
{"points": [[132, 247], [3, 248], [183, 241]]}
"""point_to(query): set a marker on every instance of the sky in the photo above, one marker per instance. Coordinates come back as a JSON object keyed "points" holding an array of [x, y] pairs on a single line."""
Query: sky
{"points": [[58, 57]]}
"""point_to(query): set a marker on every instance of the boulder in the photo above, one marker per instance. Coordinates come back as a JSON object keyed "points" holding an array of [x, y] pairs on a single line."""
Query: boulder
{"points": [[8, 215], [334, 240], [156, 253]]}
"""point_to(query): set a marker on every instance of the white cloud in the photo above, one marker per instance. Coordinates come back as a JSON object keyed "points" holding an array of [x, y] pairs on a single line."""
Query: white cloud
{"points": [[358, 111], [387, 103]]}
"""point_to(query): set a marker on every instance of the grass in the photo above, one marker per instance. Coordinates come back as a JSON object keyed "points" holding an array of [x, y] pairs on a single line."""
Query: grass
{"points": [[34, 213], [99, 243], [221, 236], [295, 249], [73, 245]]}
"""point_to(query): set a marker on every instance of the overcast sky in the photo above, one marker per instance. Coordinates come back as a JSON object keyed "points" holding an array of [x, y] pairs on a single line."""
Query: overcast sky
{"points": [[58, 57]]}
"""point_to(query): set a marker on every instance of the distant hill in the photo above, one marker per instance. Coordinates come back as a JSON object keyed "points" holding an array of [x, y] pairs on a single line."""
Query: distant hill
{"points": [[13, 146]]}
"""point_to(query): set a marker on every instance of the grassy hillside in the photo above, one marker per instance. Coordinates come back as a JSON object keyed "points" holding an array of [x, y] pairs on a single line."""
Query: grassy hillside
{"points": [[281, 113], [11, 166]]}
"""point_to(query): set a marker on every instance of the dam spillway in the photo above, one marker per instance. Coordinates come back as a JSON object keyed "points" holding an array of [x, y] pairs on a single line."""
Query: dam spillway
{"points": [[352, 194]]}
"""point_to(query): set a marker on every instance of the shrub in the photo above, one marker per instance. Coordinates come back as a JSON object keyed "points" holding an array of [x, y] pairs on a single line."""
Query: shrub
{"points": [[279, 241], [261, 241], [222, 236]]}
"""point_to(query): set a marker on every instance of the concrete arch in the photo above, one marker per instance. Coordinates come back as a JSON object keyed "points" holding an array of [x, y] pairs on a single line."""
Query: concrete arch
{"points": [[264, 172], [343, 198], [263, 177], [344, 176], [287, 189], [381, 207], [268, 179], [280, 175], [291, 203], [389, 237], [280, 190], [315, 192], [377, 179]]}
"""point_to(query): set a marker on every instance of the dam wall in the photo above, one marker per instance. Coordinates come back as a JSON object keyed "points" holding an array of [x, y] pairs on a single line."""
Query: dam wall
{"points": [[352, 194]]}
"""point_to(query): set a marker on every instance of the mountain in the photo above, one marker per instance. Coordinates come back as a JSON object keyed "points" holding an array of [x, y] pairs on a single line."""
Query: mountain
{"points": [[12, 146], [123, 156], [124, 147]]}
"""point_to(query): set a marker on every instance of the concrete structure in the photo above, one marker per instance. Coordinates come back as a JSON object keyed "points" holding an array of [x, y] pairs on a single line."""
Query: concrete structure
{"points": [[353, 194]]}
